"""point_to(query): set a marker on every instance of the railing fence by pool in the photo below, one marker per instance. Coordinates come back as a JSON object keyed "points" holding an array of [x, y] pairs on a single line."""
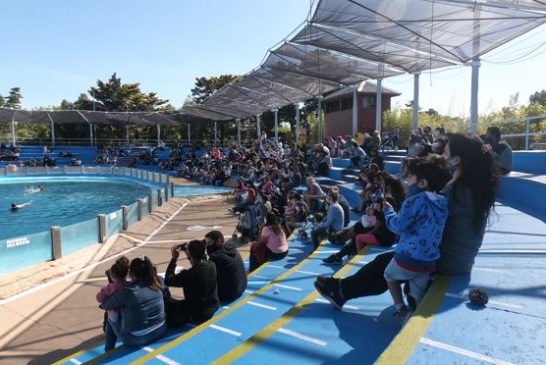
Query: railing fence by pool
{"points": [[52, 244]]}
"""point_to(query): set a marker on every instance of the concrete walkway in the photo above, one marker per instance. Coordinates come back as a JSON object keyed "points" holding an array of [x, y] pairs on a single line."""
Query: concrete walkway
{"points": [[61, 315]]}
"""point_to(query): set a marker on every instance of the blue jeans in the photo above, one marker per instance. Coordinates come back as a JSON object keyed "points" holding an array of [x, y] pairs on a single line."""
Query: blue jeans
{"points": [[132, 340]]}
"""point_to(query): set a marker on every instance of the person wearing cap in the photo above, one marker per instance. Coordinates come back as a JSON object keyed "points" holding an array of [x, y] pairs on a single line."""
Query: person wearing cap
{"points": [[199, 285]]}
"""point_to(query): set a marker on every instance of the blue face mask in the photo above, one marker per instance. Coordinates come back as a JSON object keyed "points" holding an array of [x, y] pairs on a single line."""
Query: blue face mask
{"points": [[414, 189]]}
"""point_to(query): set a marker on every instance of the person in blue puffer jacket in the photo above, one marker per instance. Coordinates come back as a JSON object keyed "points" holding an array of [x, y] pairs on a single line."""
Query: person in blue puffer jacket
{"points": [[420, 225]]}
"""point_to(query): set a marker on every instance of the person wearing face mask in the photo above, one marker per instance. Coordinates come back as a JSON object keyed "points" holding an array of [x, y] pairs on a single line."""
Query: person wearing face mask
{"points": [[420, 224], [471, 196]]}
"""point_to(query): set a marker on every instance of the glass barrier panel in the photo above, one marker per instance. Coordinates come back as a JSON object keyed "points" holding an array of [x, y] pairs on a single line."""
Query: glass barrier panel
{"points": [[17, 253], [73, 169], [154, 199], [114, 222], [40, 170], [104, 170], [89, 169], [132, 213], [79, 235]]}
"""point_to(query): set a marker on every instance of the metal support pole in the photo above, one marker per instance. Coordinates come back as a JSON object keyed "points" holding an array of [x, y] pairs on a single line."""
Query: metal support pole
{"points": [[319, 129], [355, 110], [276, 111], [189, 133], [90, 134], [415, 120], [125, 211], [526, 134], [378, 105], [258, 127], [13, 136], [297, 105], [140, 208], [150, 202], [158, 134], [127, 134], [238, 131], [159, 197], [474, 96], [56, 247], [52, 129], [102, 228], [215, 133]]}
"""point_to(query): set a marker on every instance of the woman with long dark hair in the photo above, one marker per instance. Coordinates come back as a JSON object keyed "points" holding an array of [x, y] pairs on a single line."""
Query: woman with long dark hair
{"points": [[140, 304], [272, 244], [471, 196]]}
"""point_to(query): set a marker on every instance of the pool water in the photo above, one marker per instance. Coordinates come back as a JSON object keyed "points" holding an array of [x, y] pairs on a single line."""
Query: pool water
{"points": [[62, 202]]}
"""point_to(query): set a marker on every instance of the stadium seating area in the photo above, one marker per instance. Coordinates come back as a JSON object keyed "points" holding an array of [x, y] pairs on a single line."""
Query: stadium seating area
{"points": [[281, 318]]}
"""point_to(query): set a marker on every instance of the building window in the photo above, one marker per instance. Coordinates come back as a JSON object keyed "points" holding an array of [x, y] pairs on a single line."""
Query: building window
{"points": [[347, 104], [368, 101]]}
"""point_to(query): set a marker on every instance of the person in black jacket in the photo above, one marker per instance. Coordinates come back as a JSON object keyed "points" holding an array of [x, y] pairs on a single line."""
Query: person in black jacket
{"points": [[199, 284], [230, 270]]}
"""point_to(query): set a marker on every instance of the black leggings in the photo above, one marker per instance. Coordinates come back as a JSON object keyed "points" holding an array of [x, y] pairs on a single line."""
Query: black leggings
{"points": [[350, 247], [368, 280]]}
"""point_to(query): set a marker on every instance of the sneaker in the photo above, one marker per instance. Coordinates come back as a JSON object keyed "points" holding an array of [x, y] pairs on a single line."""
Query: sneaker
{"points": [[403, 315], [329, 289], [332, 259]]}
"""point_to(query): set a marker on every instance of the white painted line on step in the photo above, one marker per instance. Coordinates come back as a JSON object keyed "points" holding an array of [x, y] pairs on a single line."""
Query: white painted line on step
{"points": [[277, 267], [226, 330], [345, 306], [302, 337], [501, 304], [308, 272], [161, 358], [496, 271], [249, 291], [262, 305], [461, 351], [288, 287], [328, 251], [74, 361], [109, 258]]}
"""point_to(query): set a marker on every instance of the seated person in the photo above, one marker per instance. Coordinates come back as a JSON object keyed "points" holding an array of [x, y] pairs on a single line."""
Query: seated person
{"points": [[369, 230], [499, 149], [332, 224], [199, 284], [313, 194], [272, 244], [230, 270], [358, 156], [297, 211]]}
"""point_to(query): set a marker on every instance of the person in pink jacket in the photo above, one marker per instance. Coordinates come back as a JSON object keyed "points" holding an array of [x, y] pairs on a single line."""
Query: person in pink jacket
{"points": [[117, 280]]}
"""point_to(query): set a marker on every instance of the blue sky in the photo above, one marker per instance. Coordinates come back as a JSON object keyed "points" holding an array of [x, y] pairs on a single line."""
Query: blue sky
{"points": [[56, 49]]}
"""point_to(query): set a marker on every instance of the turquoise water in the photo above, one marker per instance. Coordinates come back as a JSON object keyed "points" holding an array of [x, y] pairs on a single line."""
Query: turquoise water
{"points": [[65, 200], [199, 190]]}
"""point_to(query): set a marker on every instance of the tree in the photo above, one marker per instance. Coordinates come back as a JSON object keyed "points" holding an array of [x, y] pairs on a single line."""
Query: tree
{"points": [[539, 97], [14, 99], [1, 100], [204, 87]]}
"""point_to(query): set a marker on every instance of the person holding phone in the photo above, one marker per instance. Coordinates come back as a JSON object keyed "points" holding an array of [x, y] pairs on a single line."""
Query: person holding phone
{"points": [[198, 282]]}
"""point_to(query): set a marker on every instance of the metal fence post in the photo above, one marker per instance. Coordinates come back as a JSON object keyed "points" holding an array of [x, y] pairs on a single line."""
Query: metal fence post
{"points": [[159, 198], [172, 190], [140, 209], [102, 228], [150, 204], [166, 192], [125, 211], [526, 134], [56, 248]]}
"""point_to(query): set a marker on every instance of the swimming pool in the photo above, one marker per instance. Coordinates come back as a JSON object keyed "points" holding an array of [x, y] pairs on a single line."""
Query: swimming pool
{"points": [[65, 200], [71, 202]]}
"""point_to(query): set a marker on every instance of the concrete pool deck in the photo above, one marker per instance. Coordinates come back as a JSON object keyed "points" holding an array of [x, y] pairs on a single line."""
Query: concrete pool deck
{"points": [[55, 312]]}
